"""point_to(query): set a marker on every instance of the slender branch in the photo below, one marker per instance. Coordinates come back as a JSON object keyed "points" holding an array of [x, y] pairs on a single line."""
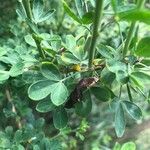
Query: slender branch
{"points": [[86, 7], [8, 95], [38, 42], [140, 4], [129, 38], [120, 91], [27, 6], [129, 93], [97, 22]]}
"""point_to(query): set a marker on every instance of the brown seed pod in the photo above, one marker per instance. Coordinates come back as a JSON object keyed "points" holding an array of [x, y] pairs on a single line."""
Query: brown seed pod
{"points": [[76, 95]]}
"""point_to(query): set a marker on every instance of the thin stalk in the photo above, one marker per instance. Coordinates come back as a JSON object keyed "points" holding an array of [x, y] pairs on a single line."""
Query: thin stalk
{"points": [[129, 93], [38, 44], [10, 100], [129, 38], [86, 7], [97, 22], [120, 91], [140, 4], [27, 6]]}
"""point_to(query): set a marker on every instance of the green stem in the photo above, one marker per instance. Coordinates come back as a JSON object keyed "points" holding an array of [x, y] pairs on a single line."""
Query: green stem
{"points": [[120, 91], [27, 6], [129, 38], [140, 4], [129, 93], [38, 44], [97, 22]]}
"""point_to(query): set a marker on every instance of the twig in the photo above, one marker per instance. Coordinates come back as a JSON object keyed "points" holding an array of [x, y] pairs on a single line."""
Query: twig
{"points": [[7, 91], [129, 93]]}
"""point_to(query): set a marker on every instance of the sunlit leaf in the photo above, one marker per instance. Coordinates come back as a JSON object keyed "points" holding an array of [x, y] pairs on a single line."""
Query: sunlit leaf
{"points": [[143, 49], [50, 71], [40, 89], [141, 15], [71, 13], [59, 93], [129, 146], [4, 75]]}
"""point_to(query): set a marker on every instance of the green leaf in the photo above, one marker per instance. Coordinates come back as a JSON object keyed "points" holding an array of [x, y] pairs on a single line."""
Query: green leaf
{"points": [[122, 76], [39, 123], [79, 52], [115, 66], [133, 110], [117, 146], [146, 61], [101, 93], [124, 8], [40, 89], [119, 68], [36, 147], [16, 69], [129, 146], [105, 51], [70, 42], [18, 147], [60, 118], [79, 6], [32, 76], [9, 131], [107, 77], [84, 107], [116, 4], [21, 11], [119, 120], [46, 15], [87, 43], [18, 137], [69, 58], [29, 40], [59, 93], [55, 144], [2, 51], [143, 47], [50, 71], [45, 143], [88, 18], [56, 44], [45, 106], [37, 8], [76, 48], [4, 75], [140, 78], [38, 12], [32, 26], [4, 141], [141, 15], [71, 13]]}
